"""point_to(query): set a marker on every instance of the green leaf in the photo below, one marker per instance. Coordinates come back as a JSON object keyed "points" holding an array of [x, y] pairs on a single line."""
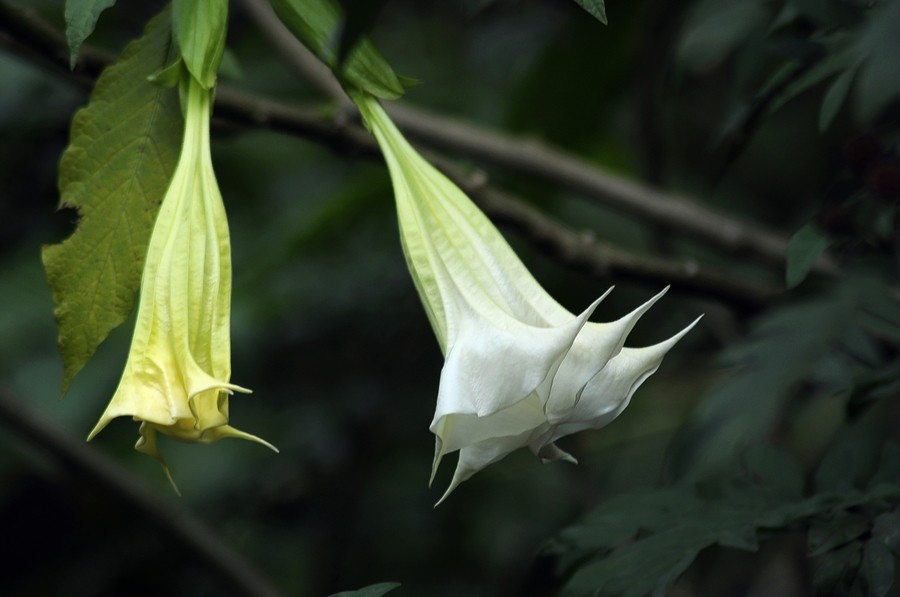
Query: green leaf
{"points": [[887, 530], [315, 23], [678, 526], [840, 58], [830, 534], [81, 17], [370, 591], [850, 461], [783, 348], [716, 28], [596, 8], [836, 571], [804, 248], [834, 98], [778, 472], [878, 83], [115, 171], [877, 568], [199, 27], [640, 543]]}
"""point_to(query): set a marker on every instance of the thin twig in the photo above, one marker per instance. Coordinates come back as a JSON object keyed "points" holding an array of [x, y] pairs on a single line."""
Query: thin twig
{"points": [[85, 463], [295, 53], [565, 246]]}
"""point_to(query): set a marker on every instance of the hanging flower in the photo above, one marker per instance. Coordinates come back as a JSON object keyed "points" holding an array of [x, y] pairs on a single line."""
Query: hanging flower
{"points": [[176, 378], [520, 370]]}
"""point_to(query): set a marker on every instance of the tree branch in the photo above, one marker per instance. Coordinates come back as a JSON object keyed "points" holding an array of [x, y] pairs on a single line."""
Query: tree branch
{"points": [[86, 464], [543, 162], [584, 253], [579, 251]]}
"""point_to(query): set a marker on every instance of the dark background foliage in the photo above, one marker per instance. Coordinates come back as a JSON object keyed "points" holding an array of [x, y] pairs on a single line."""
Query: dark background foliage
{"points": [[760, 460]]}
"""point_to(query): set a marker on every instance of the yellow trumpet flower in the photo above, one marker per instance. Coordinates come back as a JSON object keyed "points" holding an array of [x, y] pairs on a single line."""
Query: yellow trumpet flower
{"points": [[176, 378]]}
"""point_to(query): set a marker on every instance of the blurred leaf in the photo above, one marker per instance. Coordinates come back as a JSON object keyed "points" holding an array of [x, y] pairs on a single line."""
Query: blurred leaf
{"points": [[775, 471], [357, 24], [804, 249], [880, 308], [596, 8], [887, 531], [878, 84], [888, 470], [315, 22], [370, 591], [838, 59], [621, 518], [827, 535], [836, 571], [715, 28], [199, 27], [782, 350], [877, 568], [640, 543], [115, 171], [830, 13], [850, 460], [557, 78], [81, 17], [834, 98]]}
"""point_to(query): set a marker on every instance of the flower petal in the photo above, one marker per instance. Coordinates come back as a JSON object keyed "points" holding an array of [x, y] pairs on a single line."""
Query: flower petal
{"points": [[608, 393], [497, 377], [593, 348]]}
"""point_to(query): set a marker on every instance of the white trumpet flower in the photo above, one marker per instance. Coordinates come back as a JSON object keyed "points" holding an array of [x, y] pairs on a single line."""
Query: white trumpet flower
{"points": [[520, 370]]}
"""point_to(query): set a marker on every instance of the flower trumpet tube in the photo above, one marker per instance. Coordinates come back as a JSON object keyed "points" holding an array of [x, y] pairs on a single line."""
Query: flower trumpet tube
{"points": [[176, 378], [520, 370]]}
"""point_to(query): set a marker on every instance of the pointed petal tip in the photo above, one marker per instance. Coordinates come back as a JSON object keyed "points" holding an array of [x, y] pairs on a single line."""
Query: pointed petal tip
{"points": [[667, 344], [453, 485], [438, 456], [232, 388], [658, 295], [690, 326], [261, 441], [461, 474], [171, 479], [101, 424]]}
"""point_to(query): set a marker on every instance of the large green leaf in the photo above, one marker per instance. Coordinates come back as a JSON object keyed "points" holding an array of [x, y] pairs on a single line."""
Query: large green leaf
{"points": [[315, 23], [81, 17], [115, 172]]}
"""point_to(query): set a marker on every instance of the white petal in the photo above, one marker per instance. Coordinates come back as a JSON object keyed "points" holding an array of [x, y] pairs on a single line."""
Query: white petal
{"points": [[593, 348], [477, 456], [609, 392], [496, 364]]}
